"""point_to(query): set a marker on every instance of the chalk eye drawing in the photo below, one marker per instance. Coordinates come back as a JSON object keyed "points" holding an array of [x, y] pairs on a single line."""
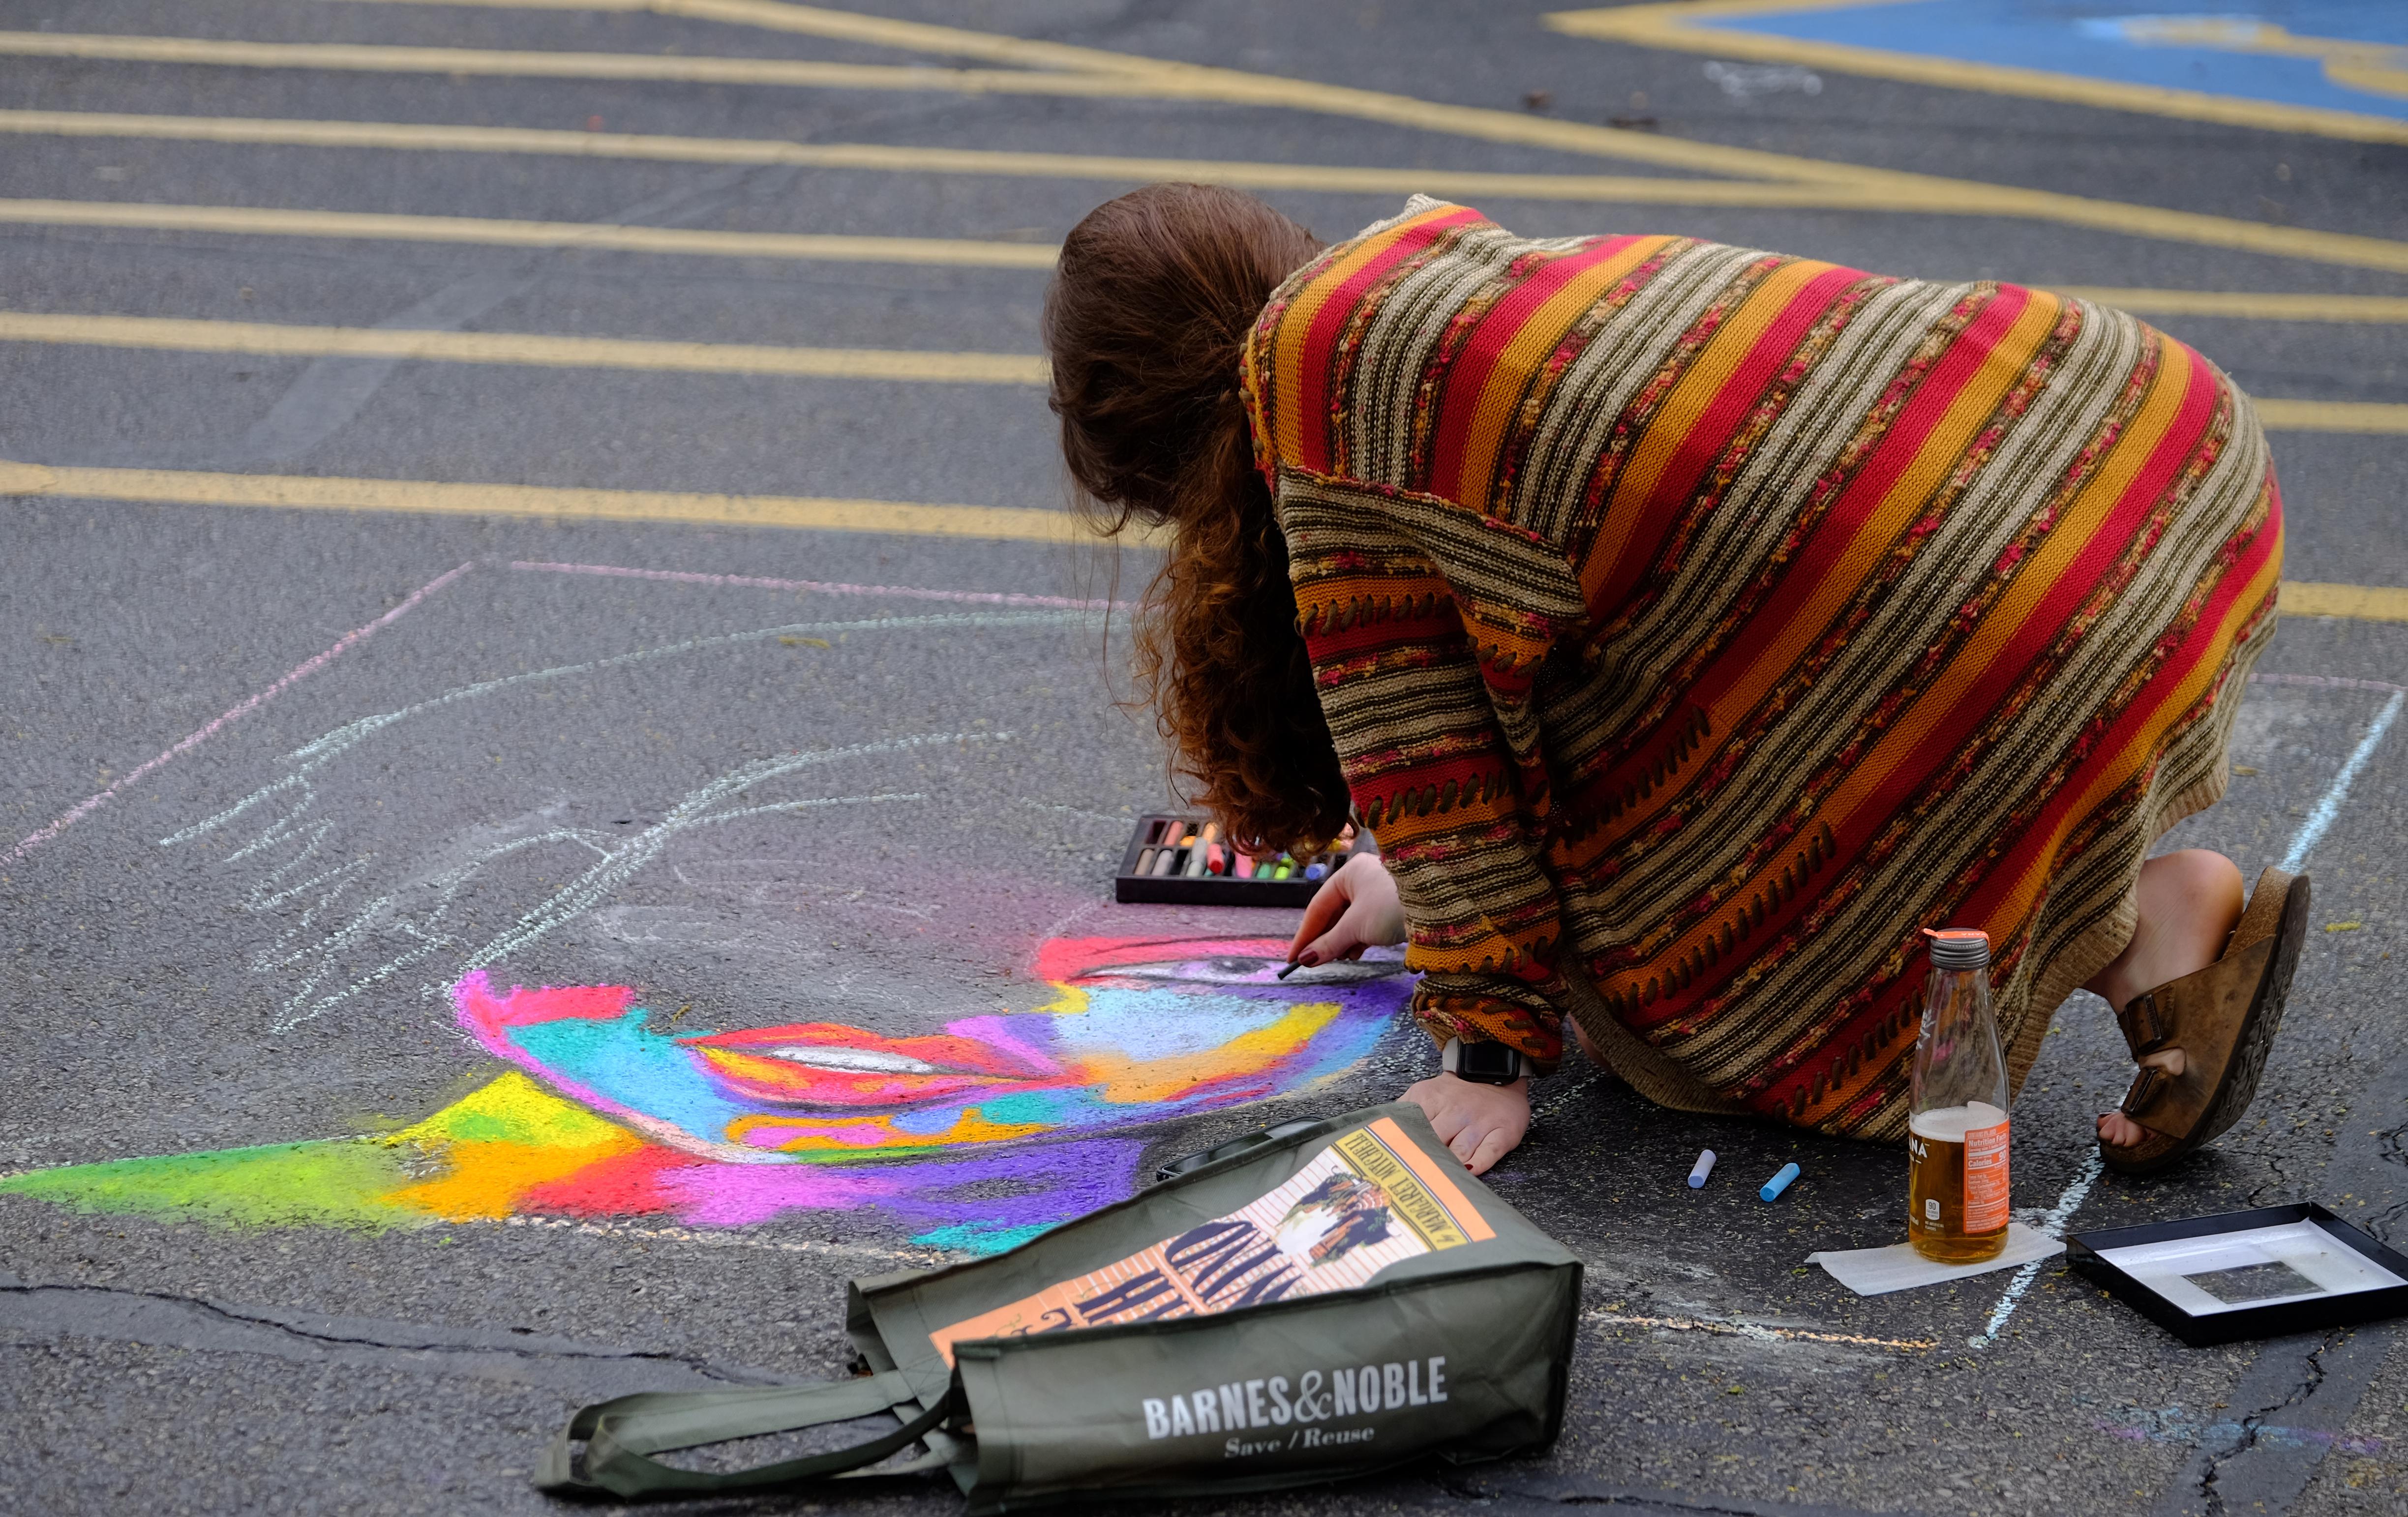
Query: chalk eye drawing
{"points": [[978, 1135]]}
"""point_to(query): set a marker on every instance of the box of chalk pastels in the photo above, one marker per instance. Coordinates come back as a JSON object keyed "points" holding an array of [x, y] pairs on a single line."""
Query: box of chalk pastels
{"points": [[1183, 859]]}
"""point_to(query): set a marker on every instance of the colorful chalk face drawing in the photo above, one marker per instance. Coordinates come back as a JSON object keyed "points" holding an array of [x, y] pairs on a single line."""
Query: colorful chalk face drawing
{"points": [[977, 1135]]}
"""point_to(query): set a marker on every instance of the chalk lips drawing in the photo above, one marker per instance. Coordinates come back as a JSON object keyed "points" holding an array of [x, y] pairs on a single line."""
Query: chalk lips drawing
{"points": [[978, 1136]]}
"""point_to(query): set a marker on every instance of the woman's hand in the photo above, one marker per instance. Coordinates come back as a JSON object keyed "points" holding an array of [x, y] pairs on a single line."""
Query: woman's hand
{"points": [[1479, 1123], [1355, 909]]}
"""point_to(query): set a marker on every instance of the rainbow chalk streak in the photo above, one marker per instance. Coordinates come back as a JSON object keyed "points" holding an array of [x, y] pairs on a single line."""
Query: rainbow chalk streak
{"points": [[979, 1134]]}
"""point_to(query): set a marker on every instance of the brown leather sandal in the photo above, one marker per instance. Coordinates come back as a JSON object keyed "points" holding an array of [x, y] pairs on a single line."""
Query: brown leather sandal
{"points": [[2223, 1018]]}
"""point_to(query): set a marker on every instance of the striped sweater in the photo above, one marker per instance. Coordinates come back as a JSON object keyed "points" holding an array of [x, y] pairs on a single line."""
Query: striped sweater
{"points": [[1696, 625]]}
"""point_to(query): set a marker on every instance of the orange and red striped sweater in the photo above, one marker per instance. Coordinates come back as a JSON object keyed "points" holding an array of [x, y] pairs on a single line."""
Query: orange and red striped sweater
{"points": [[1704, 622]]}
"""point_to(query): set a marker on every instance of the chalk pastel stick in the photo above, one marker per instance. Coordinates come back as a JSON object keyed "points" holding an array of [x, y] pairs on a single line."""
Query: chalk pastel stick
{"points": [[1698, 1171], [1317, 871], [1773, 1187], [1167, 863], [1145, 862], [1196, 859]]}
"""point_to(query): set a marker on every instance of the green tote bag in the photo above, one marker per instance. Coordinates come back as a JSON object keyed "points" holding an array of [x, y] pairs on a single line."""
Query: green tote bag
{"points": [[1306, 1305]]}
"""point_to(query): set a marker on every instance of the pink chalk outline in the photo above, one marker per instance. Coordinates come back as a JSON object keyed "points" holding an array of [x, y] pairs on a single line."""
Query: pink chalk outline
{"points": [[973, 597], [300, 671]]}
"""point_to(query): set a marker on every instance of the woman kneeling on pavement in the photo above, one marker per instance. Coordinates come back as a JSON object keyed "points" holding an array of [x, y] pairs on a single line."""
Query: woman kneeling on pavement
{"points": [[1692, 627]]}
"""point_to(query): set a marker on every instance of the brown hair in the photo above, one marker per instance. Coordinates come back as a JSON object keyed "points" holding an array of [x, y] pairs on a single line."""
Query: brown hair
{"points": [[1145, 323]]}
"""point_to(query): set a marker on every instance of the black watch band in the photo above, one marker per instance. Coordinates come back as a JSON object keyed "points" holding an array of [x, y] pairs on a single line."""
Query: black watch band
{"points": [[1483, 1064]]}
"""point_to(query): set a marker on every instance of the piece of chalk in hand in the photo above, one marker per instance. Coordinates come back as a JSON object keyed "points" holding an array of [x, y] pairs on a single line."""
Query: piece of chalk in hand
{"points": [[1773, 1187], [1291, 969], [1698, 1171]]}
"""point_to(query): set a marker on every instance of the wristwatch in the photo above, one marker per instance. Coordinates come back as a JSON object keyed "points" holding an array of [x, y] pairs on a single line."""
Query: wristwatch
{"points": [[1483, 1064]]}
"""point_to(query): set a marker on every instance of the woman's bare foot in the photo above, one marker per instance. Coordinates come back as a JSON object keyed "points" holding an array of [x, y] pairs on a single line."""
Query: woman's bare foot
{"points": [[2188, 902]]}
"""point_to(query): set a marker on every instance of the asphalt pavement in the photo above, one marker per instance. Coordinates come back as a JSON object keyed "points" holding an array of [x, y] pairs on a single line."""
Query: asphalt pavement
{"points": [[439, 623]]}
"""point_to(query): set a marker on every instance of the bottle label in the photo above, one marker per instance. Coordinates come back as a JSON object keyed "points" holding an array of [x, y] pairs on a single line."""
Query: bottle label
{"points": [[1985, 1179]]}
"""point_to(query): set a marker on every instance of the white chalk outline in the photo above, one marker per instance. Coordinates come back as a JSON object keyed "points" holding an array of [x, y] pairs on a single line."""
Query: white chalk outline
{"points": [[621, 858], [2311, 831], [299, 672], [2053, 1224]]}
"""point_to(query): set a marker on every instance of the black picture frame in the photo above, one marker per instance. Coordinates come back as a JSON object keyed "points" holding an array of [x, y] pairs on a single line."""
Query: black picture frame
{"points": [[2340, 1309]]}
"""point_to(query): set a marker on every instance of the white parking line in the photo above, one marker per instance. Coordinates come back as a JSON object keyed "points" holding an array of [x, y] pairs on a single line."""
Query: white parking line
{"points": [[2338, 792]]}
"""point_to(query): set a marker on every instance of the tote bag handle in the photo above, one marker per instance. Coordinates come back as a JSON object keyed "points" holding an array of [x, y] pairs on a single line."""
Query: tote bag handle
{"points": [[620, 1436]]}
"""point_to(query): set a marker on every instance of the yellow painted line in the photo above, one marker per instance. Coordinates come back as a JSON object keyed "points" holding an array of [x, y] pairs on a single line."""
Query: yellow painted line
{"points": [[2248, 305], [1885, 189], [258, 221], [246, 220], [418, 498], [842, 25], [1869, 189], [2356, 603], [423, 499], [1874, 191], [271, 340], [656, 355], [413, 137], [1880, 189], [2332, 416], [485, 62], [1676, 27], [1197, 82], [1964, 198]]}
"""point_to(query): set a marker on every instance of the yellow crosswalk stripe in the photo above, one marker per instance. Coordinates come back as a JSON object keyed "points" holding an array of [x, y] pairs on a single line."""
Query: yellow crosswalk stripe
{"points": [[426, 499], [657, 355], [1885, 189], [271, 340], [247, 220], [2332, 416], [414, 137], [1866, 190], [2248, 305], [2355, 603], [535, 63], [2368, 603]]}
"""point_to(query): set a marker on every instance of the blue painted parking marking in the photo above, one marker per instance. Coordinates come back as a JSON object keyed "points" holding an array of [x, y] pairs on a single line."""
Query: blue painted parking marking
{"points": [[2347, 55]]}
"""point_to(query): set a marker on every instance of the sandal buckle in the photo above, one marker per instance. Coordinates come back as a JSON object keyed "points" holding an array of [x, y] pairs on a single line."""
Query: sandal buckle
{"points": [[2147, 1085], [2145, 1029]]}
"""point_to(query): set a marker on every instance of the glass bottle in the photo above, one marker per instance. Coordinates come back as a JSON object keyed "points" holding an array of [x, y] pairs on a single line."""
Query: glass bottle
{"points": [[1956, 1125]]}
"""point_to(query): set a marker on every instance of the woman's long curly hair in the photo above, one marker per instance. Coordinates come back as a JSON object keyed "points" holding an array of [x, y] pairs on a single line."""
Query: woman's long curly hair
{"points": [[1145, 322]]}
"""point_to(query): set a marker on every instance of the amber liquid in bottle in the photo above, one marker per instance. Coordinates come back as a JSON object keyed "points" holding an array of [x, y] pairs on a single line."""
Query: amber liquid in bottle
{"points": [[1956, 1125], [1942, 1176]]}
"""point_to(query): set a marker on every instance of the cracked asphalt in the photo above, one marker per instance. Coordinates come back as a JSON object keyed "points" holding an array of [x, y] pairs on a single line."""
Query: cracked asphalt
{"points": [[187, 976]]}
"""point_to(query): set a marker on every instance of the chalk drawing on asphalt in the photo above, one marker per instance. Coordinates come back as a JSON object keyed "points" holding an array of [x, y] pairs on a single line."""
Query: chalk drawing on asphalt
{"points": [[343, 923], [977, 1135]]}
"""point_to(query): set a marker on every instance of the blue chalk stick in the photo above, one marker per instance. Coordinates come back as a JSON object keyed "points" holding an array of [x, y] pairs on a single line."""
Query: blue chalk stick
{"points": [[1773, 1187]]}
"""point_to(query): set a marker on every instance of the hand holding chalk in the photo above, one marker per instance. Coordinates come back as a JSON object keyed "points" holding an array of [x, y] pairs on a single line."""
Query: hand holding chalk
{"points": [[1356, 907]]}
